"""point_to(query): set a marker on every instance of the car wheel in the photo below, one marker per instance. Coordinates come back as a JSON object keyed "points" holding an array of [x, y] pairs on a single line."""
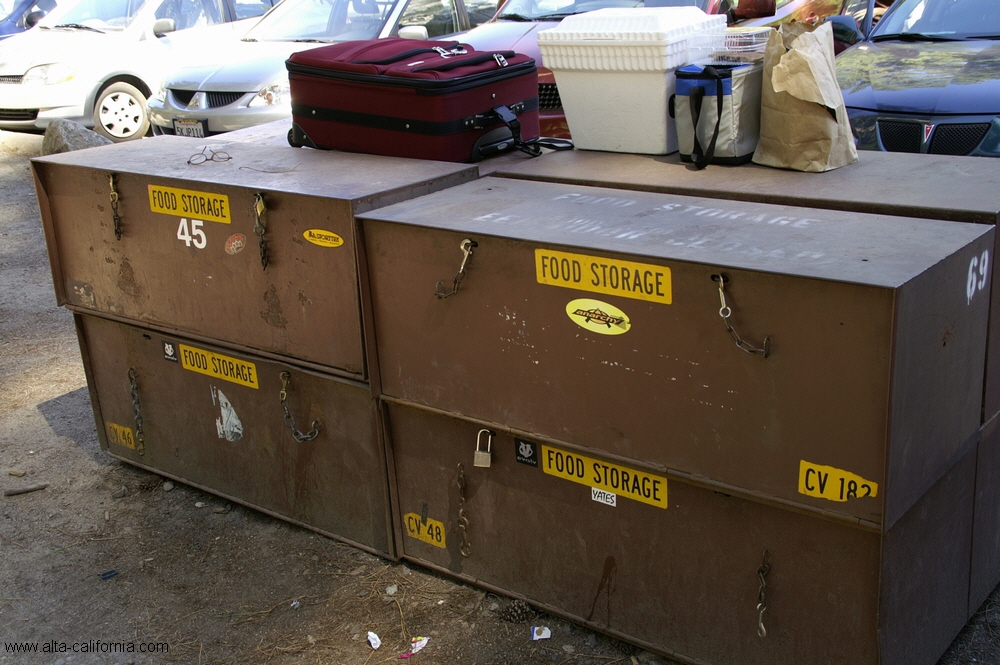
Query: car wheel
{"points": [[120, 113]]}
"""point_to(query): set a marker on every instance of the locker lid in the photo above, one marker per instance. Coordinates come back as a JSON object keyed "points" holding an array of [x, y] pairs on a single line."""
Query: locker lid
{"points": [[877, 250]]}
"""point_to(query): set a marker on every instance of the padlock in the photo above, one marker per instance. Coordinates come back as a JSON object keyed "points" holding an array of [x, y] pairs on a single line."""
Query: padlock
{"points": [[483, 457]]}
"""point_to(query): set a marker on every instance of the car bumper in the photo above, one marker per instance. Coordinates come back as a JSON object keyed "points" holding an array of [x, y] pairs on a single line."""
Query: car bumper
{"points": [[33, 107], [973, 135], [217, 120]]}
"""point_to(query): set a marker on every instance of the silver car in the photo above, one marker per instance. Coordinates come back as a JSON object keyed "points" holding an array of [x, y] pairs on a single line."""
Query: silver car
{"points": [[245, 83]]}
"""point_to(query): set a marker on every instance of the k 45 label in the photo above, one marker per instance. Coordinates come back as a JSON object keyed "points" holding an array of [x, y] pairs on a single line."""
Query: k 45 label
{"points": [[826, 482], [640, 281], [613, 478], [429, 531]]}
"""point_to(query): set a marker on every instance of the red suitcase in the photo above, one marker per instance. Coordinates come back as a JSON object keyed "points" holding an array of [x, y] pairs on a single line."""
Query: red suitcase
{"points": [[413, 98]]}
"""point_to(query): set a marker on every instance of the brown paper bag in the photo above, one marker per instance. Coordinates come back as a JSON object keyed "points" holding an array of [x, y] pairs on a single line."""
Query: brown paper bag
{"points": [[803, 122]]}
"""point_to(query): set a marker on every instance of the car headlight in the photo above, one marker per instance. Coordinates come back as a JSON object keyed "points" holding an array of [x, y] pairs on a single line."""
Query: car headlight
{"points": [[160, 94], [53, 74], [272, 95]]}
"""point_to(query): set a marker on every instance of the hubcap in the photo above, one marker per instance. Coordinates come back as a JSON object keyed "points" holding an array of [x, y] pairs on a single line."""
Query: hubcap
{"points": [[120, 115]]}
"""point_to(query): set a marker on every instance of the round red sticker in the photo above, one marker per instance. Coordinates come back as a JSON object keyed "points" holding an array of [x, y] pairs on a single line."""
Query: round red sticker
{"points": [[236, 243]]}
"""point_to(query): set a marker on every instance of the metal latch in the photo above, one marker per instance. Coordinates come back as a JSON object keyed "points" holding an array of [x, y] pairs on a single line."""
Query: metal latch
{"points": [[483, 457]]}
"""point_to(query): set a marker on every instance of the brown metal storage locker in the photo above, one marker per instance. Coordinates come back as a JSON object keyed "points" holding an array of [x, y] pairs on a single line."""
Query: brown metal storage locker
{"points": [[985, 573], [593, 316], [677, 570], [285, 440], [926, 186], [252, 247]]}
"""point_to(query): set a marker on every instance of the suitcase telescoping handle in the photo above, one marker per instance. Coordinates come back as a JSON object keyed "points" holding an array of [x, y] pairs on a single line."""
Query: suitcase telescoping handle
{"points": [[454, 48]]}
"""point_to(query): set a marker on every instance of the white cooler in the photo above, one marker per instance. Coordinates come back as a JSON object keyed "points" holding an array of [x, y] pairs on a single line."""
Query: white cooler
{"points": [[615, 72]]}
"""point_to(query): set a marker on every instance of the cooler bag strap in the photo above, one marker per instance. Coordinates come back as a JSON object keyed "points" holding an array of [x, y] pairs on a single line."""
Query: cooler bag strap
{"points": [[447, 50], [701, 159]]}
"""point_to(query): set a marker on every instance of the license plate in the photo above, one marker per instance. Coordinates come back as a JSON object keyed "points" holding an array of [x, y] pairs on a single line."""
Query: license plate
{"points": [[195, 128]]}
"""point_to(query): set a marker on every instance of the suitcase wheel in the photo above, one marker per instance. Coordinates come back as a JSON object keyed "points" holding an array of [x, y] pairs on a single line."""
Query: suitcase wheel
{"points": [[298, 138]]}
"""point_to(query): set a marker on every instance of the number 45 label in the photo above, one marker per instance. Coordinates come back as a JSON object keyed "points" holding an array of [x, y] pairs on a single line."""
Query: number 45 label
{"points": [[191, 233]]}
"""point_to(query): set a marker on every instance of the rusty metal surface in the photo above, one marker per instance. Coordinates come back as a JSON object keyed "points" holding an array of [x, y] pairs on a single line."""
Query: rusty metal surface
{"points": [[925, 571], [931, 187], [215, 419], [875, 370], [200, 268], [985, 573], [682, 579]]}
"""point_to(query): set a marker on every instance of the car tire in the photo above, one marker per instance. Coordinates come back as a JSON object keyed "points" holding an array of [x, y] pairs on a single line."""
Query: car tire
{"points": [[120, 113]]}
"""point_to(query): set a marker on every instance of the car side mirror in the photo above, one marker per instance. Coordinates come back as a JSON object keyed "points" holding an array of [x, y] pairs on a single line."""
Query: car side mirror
{"points": [[414, 32], [163, 26], [845, 31], [33, 18], [754, 9]]}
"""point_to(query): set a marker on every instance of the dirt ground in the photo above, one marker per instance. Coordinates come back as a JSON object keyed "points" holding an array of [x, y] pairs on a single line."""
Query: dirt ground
{"points": [[111, 553]]}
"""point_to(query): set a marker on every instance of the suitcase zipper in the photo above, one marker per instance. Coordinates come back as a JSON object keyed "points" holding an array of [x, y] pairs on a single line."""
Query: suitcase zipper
{"points": [[454, 48], [422, 86]]}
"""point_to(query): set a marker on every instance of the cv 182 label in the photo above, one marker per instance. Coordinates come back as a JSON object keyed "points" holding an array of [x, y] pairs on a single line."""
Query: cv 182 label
{"points": [[826, 482], [640, 281], [189, 203], [613, 478], [222, 367], [427, 531]]}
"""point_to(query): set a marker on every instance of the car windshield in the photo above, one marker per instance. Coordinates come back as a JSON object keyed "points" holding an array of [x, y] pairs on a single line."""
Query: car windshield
{"points": [[322, 21], [96, 15], [940, 20]]}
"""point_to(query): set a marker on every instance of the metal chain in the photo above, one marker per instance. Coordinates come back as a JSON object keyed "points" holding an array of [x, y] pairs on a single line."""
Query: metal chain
{"points": [[289, 419], [466, 247], [762, 572], [463, 516], [140, 441], [259, 208], [725, 312], [114, 207]]}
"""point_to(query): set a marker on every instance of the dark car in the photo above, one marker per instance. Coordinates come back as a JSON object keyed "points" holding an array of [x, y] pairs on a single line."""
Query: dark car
{"points": [[926, 79], [518, 22], [19, 15]]}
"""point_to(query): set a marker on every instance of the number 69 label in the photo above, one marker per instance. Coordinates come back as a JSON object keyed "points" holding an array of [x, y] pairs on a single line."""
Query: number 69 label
{"points": [[978, 272], [193, 236]]}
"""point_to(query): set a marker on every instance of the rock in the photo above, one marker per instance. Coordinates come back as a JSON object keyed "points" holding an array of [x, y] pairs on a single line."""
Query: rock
{"points": [[358, 570], [168, 486], [199, 504], [591, 640], [362, 593], [494, 607], [66, 135], [17, 473], [120, 493], [392, 589], [219, 510], [569, 648], [647, 657]]}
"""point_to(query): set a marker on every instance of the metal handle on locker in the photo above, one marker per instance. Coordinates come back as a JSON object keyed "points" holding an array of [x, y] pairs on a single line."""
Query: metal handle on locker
{"points": [[466, 247], [140, 439], [725, 312], [259, 228], [114, 207], [482, 457], [289, 419]]}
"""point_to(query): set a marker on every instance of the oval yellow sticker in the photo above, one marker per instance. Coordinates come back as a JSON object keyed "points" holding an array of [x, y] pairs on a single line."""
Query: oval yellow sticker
{"points": [[597, 316], [323, 238]]}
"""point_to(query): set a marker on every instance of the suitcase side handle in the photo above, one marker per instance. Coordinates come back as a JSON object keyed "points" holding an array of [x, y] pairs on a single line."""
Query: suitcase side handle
{"points": [[453, 48], [466, 62]]}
